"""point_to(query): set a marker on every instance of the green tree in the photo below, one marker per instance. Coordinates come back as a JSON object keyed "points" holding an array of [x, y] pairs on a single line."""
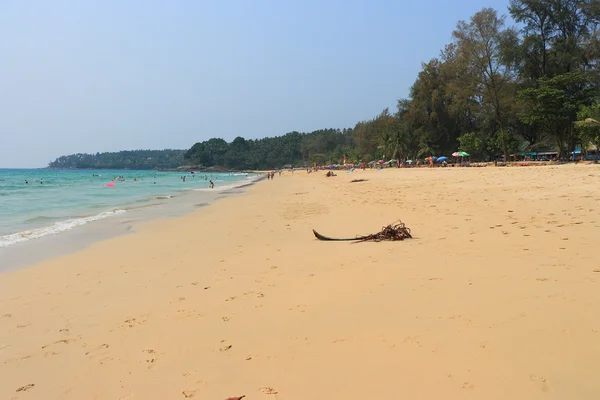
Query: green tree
{"points": [[480, 44], [553, 105], [588, 124], [470, 143]]}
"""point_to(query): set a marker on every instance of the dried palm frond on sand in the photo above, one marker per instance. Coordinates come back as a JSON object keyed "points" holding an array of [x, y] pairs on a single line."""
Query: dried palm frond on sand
{"points": [[393, 232]]}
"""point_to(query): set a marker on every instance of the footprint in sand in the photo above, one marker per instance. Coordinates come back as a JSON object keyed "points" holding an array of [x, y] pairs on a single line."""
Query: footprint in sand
{"points": [[103, 346], [132, 322], [25, 388], [11, 360], [63, 341], [100, 354], [188, 394], [268, 390], [541, 382], [225, 346]]}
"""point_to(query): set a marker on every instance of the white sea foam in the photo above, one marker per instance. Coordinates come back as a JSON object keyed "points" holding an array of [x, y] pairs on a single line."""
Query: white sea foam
{"points": [[53, 229]]}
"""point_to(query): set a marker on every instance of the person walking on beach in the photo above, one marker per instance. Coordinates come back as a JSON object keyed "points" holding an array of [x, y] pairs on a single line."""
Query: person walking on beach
{"points": [[212, 185]]}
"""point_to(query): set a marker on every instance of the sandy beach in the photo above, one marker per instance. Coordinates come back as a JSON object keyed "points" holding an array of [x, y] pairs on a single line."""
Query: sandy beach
{"points": [[496, 297]]}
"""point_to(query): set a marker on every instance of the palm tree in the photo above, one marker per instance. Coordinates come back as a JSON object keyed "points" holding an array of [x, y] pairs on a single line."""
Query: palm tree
{"points": [[589, 126]]}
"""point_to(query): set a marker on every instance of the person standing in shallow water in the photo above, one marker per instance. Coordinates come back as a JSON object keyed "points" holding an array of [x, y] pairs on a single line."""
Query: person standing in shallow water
{"points": [[212, 185]]}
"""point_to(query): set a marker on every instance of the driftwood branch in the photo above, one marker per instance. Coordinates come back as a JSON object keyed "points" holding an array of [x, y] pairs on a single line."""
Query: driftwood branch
{"points": [[393, 232]]}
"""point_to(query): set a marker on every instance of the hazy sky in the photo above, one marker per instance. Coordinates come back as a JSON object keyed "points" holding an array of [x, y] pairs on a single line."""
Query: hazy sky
{"points": [[86, 76]]}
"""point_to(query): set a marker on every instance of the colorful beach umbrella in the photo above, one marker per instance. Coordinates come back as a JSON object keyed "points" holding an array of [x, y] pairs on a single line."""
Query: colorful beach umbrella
{"points": [[460, 154], [441, 159]]}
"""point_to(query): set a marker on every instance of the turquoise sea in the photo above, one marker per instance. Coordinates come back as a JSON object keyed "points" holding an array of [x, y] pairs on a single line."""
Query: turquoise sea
{"points": [[41, 202]]}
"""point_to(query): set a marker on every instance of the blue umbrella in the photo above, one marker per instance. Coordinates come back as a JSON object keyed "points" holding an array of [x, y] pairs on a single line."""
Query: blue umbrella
{"points": [[441, 159]]}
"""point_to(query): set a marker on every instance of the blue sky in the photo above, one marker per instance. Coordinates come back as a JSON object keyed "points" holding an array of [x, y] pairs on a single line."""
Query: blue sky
{"points": [[87, 76]]}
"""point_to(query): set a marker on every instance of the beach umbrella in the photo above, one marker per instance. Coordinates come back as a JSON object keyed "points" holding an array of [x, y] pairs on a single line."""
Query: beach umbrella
{"points": [[460, 154], [442, 159]]}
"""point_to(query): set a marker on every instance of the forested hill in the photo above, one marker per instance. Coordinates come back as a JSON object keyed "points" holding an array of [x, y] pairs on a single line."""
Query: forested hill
{"points": [[294, 148], [134, 159]]}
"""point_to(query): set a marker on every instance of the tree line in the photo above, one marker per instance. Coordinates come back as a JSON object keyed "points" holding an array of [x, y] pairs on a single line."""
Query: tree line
{"points": [[494, 90], [292, 149], [134, 159]]}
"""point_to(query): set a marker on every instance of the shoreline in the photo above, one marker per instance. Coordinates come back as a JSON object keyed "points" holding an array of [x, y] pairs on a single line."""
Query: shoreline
{"points": [[500, 280], [125, 220]]}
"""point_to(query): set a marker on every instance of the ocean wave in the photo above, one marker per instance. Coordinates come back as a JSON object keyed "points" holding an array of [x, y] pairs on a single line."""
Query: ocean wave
{"points": [[53, 229]]}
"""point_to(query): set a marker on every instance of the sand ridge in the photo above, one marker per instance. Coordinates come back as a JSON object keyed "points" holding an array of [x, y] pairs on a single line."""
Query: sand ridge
{"points": [[495, 297]]}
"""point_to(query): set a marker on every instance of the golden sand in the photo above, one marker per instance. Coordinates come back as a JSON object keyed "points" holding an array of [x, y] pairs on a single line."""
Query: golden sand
{"points": [[496, 297]]}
